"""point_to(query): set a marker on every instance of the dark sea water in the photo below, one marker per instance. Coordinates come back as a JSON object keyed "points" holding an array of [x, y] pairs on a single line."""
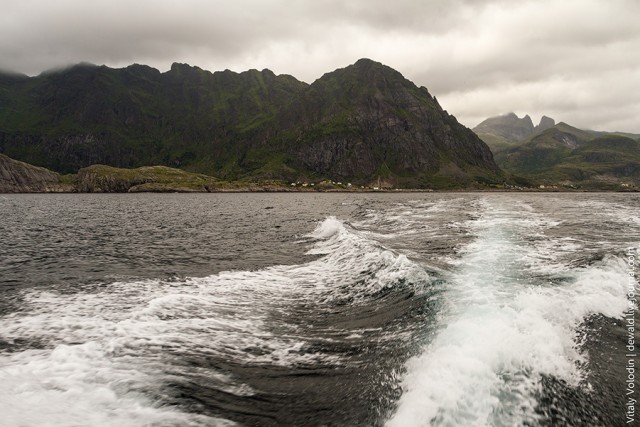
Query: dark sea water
{"points": [[420, 309]]}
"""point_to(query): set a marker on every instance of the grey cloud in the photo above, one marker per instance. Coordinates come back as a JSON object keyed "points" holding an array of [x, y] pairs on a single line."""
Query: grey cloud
{"points": [[478, 56], [69, 31], [73, 30]]}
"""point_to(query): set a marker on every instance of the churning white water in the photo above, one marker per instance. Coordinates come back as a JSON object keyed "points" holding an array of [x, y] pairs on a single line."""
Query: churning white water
{"points": [[106, 350], [506, 325], [309, 309]]}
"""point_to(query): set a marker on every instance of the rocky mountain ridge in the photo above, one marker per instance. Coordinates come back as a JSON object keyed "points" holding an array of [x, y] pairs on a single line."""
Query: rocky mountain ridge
{"points": [[507, 130], [361, 123]]}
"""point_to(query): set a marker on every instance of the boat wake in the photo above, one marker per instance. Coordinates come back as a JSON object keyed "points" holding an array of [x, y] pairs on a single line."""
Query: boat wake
{"points": [[136, 353], [512, 317], [442, 311]]}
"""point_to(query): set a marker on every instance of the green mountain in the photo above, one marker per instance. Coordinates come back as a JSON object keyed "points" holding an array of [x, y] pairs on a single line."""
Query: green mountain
{"points": [[362, 123], [572, 157], [134, 116]]}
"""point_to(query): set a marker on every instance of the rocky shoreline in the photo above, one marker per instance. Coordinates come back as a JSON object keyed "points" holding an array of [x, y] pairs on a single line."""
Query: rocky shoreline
{"points": [[20, 177]]}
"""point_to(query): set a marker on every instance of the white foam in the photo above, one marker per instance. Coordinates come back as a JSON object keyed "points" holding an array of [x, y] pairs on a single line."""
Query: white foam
{"points": [[624, 214], [327, 228], [350, 258], [502, 330], [80, 385], [109, 350]]}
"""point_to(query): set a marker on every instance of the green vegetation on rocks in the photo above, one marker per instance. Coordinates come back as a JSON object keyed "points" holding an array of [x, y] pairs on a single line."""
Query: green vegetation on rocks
{"points": [[107, 179], [356, 124], [561, 156], [573, 158]]}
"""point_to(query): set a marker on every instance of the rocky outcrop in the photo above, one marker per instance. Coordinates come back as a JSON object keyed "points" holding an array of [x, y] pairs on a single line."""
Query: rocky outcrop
{"points": [[156, 179], [98, 180], [545, 123], [509, 126], [19, 177]]}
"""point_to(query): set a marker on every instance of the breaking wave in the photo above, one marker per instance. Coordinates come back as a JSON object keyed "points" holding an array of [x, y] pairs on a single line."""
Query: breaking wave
{"points": [[106, 354]]}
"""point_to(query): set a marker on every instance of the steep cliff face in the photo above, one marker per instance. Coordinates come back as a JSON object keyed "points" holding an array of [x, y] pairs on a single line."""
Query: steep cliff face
{"points": [[362, 123], [545, 123], [19, 177], [366, 121]]}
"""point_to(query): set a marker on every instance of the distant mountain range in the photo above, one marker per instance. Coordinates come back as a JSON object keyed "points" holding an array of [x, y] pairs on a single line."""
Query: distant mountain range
{"points": [[559, 154], [363, 123], [502, 132]]}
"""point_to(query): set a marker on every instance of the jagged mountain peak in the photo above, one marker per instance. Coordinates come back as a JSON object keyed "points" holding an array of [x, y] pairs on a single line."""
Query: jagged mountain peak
{"points": [[366, 65], [508, 129], [545, 123], [363, 69]]}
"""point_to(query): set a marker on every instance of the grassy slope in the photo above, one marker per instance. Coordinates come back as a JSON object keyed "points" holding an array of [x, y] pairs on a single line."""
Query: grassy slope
{"points": [[101, 178], [603, 159], [625, 134], [496, 143], [542, 151]]}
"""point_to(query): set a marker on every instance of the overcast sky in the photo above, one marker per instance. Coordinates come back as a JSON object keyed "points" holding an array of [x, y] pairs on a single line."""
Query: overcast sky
{"points": [[577, 61]]}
